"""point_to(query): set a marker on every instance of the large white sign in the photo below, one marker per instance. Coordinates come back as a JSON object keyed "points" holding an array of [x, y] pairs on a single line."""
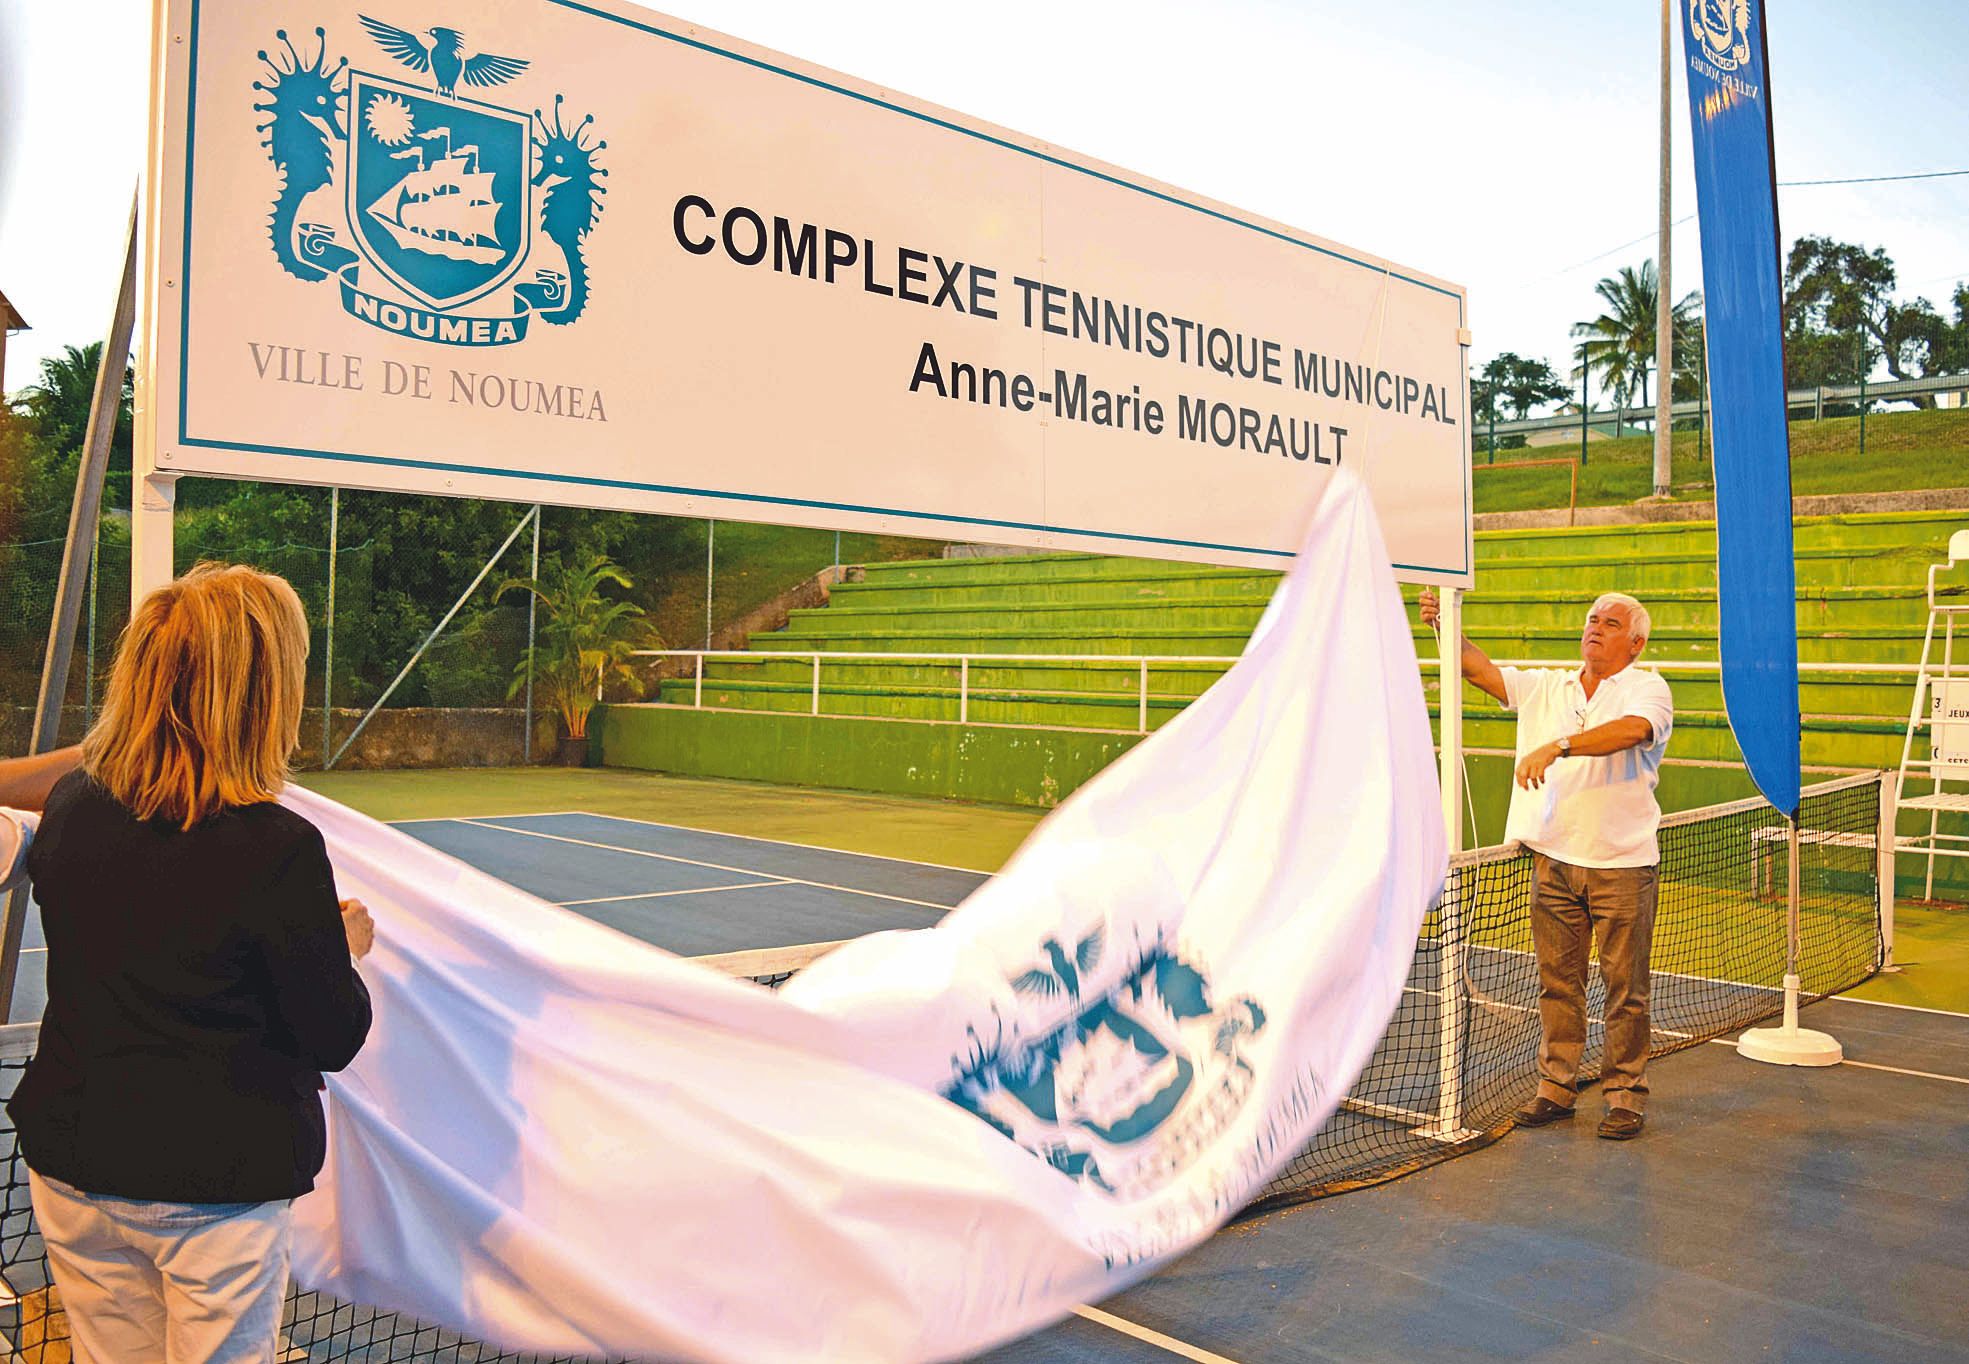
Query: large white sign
{"points": [[584, 253]]}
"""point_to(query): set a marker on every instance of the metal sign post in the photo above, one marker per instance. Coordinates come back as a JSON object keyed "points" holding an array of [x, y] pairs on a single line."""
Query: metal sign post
{"points": [[104, 409]]}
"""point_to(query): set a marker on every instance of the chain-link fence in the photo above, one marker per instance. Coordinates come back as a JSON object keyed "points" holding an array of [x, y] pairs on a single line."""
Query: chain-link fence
{"points": [[364, 626], [378, 574]]}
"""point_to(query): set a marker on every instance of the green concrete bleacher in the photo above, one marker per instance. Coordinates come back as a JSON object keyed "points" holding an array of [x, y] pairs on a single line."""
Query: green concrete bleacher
{"points": [[1860, 600]]}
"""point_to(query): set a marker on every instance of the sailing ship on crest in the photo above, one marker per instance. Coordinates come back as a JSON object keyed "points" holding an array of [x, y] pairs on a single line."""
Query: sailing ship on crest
{"points": [[444, 207]]}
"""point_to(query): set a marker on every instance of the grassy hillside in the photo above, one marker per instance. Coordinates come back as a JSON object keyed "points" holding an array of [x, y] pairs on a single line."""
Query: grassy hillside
{"points": [[753, 564], [1903, 450]]}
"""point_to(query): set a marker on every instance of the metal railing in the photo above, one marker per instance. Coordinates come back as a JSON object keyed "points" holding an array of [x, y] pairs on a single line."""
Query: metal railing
{"points": [[963, 664], [966, 666], [1815, 398]]}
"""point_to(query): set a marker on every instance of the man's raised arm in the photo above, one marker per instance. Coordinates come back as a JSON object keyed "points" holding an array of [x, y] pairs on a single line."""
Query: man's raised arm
{"points": [[1477, 667]]}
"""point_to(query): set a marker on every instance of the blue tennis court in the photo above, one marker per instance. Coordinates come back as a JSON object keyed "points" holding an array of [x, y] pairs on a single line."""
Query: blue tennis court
{"points": [[1768, 1213], [700, 894], [1771, 1213]]}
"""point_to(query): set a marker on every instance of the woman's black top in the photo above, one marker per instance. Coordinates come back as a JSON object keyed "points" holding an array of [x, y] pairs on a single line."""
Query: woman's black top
{"points": [[199, 982]]}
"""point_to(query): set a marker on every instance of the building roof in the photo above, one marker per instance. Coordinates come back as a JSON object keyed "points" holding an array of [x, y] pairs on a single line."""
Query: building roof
{"points": [[11, 320]]}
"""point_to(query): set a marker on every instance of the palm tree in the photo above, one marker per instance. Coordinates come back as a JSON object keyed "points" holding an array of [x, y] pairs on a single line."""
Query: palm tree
{"points": [[1620, 342], [59, 403], [585, 641]]}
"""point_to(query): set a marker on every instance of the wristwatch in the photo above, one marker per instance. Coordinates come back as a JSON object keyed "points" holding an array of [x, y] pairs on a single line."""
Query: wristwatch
{"points": [[1565, 747]]}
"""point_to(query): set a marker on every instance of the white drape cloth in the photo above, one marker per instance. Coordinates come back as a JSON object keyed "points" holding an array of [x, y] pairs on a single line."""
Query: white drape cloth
{"points": [[561, 1139]]}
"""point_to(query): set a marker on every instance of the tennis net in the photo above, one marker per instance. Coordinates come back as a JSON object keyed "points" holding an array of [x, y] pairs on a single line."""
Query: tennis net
{"points": [[1456, 1059]]}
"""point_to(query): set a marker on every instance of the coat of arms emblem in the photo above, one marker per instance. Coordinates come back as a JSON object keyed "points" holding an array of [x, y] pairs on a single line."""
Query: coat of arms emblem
{"points": [[444, 199], [1129, 1083], [1724, 26]]}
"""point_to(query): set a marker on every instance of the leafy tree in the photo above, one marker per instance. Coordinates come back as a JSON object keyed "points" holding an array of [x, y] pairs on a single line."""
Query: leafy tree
{"points": [[1951, 353], [1524, 384], [1840, 313], [585, 640], [55, 411], [1620, 342]]}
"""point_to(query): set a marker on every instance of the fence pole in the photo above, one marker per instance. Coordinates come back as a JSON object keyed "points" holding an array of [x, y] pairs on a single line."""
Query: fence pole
{"points": [[328, 645], [532, 606], [1583, 375], [710, 573], [816, 683], [105, 406], [964, 690], [1142, 711], [429, 639], [1702, 412]]}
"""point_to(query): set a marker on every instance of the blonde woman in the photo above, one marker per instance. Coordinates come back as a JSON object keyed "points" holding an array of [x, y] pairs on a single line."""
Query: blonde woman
{"points": [[199, 981]]}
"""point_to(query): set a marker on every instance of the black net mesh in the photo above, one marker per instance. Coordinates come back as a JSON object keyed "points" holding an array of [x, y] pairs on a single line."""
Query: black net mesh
{"points": [[1456, 1059], [1459, 1055]]}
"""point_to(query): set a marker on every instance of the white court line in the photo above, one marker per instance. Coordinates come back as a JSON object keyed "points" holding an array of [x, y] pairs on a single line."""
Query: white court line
{"points": [[1875, 1065], [778, 842], [1148, 1337], [1911, 1008], [660, 894], [694, 862], [473, 819]]}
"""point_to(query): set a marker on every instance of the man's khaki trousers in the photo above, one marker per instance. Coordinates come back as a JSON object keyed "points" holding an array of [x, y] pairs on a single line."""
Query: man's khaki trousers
{"points": [[1572, 908]]}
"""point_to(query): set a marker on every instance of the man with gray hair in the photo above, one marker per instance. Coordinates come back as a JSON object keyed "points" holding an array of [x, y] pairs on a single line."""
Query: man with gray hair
{"points": [[1590, 744]]}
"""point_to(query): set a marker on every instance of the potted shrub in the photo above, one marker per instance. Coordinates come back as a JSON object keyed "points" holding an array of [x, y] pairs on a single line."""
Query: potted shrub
{"points": [[582, 642]]}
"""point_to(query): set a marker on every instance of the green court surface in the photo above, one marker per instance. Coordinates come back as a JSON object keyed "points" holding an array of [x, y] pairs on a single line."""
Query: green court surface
{"points": [[980, 837], [1931, 943]]}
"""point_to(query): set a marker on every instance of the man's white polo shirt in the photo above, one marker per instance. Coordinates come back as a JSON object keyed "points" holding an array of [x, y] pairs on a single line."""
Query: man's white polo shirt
{"points": [[1591, 812]]}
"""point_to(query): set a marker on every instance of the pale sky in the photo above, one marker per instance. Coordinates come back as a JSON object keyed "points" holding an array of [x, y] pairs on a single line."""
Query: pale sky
{"points": [[1508, 145]]}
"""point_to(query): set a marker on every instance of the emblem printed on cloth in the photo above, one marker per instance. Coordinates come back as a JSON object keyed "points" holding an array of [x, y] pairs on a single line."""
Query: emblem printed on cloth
{"points": [[1124, 1092], [1724, 26], [444, 199]]}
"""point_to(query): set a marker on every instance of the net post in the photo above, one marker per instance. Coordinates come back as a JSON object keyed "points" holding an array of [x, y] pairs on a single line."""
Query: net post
{"points": [[1449, 915], [1883, 846]]}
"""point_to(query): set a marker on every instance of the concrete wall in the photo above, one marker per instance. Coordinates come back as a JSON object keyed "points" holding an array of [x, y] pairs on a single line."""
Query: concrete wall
{"points": [[1009, 766], [412, 737]]}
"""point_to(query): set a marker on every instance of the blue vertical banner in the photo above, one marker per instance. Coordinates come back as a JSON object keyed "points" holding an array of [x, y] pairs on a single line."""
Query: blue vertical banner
{"points": [[1736, 200]]}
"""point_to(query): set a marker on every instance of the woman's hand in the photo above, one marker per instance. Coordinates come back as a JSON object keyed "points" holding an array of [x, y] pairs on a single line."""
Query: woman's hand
{"points": [[359, 926]]}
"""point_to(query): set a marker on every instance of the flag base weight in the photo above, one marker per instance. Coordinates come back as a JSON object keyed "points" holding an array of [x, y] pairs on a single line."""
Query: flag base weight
{"points": [[1790, 1045]]}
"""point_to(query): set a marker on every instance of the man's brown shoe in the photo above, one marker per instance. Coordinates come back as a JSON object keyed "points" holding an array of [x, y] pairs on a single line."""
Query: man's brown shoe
{"points": [[1541, 1111], [1620, 1124]]}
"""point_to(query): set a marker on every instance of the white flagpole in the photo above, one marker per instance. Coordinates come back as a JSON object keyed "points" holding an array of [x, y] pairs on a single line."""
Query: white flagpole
{"points": [[1789, 1044]]}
